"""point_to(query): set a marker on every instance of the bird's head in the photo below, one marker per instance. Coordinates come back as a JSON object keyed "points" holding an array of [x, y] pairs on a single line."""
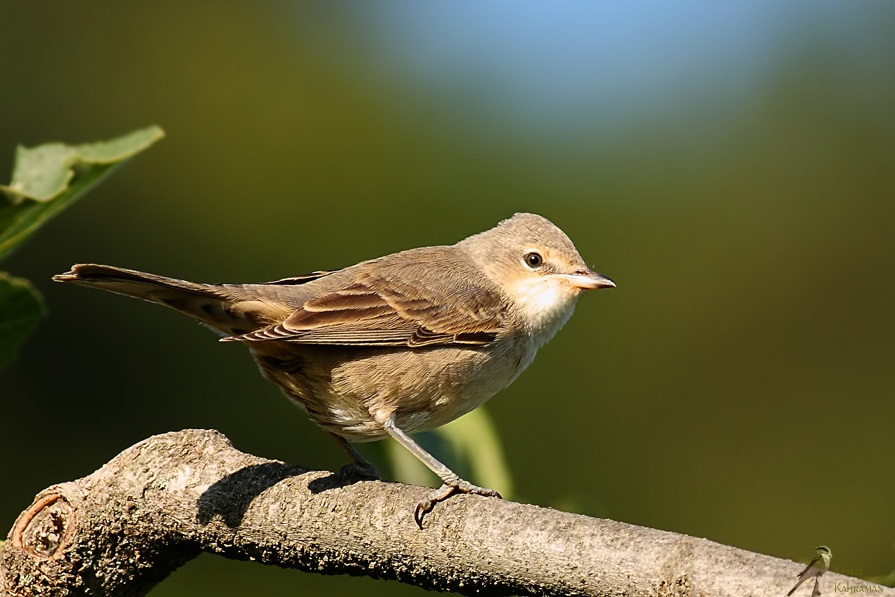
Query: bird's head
{"points": [[537, 267]]}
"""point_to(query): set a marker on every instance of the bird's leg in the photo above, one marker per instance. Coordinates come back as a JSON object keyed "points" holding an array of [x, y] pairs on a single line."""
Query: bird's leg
{"points": [[359, 467], [452, 482]]}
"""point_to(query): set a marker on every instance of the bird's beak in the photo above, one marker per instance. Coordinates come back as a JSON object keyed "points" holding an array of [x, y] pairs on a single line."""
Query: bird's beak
{"points": [[587, 280]]}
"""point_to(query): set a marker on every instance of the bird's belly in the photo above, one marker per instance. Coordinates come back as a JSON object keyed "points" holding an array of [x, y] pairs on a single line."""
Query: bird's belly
{"points": [[424, 388]]}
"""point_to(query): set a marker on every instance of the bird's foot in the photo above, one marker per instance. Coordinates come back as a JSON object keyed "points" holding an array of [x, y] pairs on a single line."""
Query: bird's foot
{"points": [[358, 471], [446, 491]]}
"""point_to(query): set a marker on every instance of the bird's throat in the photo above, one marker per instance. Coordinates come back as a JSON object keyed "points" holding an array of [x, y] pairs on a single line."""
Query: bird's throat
{"points": [[545, 303]]}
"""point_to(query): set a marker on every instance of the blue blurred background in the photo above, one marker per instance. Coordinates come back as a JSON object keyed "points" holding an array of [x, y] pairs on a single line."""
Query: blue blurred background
{"points": [[730, 165]]}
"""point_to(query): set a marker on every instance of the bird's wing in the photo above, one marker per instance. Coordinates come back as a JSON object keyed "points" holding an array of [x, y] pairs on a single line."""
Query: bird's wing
{"points": [[804, 574], [384, 309], [293, 280], [809, 566]]}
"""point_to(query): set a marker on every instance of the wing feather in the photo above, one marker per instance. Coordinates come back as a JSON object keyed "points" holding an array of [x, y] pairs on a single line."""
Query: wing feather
{"points": [[393, 310]]}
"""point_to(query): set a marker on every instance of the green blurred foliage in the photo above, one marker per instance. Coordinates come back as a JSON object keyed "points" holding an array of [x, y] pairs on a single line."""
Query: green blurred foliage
{"points": [[20, 309], [46, 179], [471, 444], [737, 385]]}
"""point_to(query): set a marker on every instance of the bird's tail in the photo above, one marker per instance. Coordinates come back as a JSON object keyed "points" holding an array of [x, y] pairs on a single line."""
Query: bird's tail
{"points": [[793, 590], [231, 309]]}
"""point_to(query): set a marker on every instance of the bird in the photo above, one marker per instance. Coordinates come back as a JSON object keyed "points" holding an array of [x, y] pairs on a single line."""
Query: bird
{"points": [[815, 569], [393, 345]]}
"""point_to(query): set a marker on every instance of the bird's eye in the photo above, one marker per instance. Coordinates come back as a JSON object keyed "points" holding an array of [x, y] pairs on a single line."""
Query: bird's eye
{"points": [[533, 260]]}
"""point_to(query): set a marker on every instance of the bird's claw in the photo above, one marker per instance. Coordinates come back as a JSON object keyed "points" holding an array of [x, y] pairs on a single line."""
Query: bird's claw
{"points": [[446, 491], [357, 471]]}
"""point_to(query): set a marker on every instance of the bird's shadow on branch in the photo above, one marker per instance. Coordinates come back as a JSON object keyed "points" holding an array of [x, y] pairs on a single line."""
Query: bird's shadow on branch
{"points": [[230, 497]]}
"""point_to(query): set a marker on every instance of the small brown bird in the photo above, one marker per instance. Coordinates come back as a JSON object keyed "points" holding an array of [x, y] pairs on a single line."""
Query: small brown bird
{"points": [[398, 344]]}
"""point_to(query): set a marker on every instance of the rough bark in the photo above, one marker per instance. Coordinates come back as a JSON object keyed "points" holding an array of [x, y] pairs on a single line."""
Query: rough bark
{"points": [[124, 528]]}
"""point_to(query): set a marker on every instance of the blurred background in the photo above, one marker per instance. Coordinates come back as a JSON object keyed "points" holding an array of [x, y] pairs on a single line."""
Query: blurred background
{"points": [[730, 165]]}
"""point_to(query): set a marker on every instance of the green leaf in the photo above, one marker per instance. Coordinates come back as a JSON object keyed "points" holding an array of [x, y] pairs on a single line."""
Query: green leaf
{"points": [[20, 308], [48, 178], [43, 172], [470, 446]]}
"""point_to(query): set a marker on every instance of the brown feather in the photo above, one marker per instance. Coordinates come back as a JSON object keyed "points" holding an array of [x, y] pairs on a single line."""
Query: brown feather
{"points": [[378, 307]]}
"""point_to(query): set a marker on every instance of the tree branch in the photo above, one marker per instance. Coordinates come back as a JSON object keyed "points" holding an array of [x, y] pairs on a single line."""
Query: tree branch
{"points": [[124, 528]]}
